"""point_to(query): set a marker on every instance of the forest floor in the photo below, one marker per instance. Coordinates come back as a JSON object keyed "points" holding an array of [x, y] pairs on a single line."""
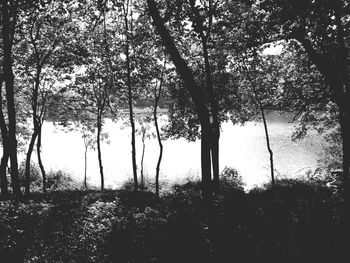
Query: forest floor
{"points": [[303, 224]]}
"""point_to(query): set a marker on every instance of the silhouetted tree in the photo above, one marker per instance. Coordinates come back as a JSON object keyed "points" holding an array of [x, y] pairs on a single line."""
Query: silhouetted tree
{"points": [[8, 21]]}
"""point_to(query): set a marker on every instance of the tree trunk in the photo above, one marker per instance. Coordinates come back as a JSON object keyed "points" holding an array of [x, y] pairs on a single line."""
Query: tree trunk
{"points": [[28, 159], [195, 93], [3, 174], [36, 128], [340, 72], [85, 167], [159, 140], [261, 108], [214, 120], [335, 70], [142, 158], [344, 114], [42, 169], [130, 102], [215, 158], [206, 163], [7, 36], [268, 146], [5, 154], [99, 128]]}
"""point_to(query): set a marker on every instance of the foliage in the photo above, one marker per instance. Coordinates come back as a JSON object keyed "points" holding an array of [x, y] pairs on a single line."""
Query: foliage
{"points": [[97, 226], [69, 61], [230, 180], [56, 180], [35, 175], [129, 226], [20, 227], [60, 180]]}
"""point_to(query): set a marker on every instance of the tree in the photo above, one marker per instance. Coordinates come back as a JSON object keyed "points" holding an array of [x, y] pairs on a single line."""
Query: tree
{"points": [[144, 130], [93, 88], [37, 48], [9, 20], [195, 93], [127, 10], [5, 155], [158, 88], [258, 73], [87, 135], [198, 16], [322, 29]]}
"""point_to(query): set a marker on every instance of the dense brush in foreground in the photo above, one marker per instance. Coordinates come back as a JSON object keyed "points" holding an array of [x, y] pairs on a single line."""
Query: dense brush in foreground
{"points": [[299, 224]]}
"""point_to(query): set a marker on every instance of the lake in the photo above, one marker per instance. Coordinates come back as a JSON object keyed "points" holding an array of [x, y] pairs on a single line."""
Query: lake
{"points": [[241, 147]]}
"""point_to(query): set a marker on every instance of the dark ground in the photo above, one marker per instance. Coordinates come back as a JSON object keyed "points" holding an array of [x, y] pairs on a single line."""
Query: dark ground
{"points": [[302, 225]]}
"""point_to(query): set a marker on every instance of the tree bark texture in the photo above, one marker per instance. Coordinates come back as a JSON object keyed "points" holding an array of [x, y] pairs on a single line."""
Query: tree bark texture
{"points": [[335, 71], [40, 162], [99, 153], [28, 161], [267, 137], [157, 94], [130, 99], [215, 125], [85, 167], [195, 93], [142, 158], [335, 68], [5, 154], [7, 36], [268, 145]]}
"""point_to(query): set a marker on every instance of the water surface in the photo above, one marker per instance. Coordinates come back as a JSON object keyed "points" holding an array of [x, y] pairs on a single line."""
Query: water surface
{"points": [[241, 147]]}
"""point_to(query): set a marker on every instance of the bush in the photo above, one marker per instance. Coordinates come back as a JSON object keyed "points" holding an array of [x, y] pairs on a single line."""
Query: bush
{"points": [[137, 236], [100, 218], [60, 180], [36, 180], [21, 224], [231, 180]]}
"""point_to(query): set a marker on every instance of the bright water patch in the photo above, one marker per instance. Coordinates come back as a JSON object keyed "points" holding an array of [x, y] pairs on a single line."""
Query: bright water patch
{"points": [[241, 147]]}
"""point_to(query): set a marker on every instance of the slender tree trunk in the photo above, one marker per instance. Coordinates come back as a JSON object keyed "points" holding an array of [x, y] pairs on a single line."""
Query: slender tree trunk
{"points": [[206, 162], [142, 158], [342, 93], [268, 146], [36, 127], [159, 140], [215, 158], [133, 131], [11, 111], [195, 93], [157, 94], [28, 159], [3, 174], [130, 102], [261, 108], [42, 169], [345, 133], [5, 154], [85, 167], [215, 127], [99, 128]]}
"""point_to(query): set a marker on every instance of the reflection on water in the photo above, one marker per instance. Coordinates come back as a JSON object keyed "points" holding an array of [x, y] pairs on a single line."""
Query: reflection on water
{"points": [[241, 147]]}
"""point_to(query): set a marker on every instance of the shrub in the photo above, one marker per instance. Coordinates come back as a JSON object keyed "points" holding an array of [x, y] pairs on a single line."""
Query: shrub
{"points": [[137, 236], [35, 177], [231, 180], [21, 224], [60, 180], [100, 218]]}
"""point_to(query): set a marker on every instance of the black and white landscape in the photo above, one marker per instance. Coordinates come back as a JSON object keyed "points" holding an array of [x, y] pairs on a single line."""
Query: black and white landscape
{"points": [[174, 131]]}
